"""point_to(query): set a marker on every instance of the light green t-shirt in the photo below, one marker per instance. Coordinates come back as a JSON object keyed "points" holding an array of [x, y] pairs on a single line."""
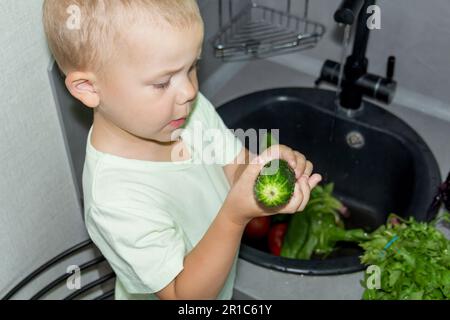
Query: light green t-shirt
{"points": [[145, 217]]}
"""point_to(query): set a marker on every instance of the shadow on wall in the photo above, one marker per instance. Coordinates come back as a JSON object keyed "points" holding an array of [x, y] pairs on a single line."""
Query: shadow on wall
{"points": [[76, 120]]}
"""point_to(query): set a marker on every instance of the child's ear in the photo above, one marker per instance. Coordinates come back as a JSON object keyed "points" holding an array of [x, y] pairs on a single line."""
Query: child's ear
{"points": [[81, 85]]}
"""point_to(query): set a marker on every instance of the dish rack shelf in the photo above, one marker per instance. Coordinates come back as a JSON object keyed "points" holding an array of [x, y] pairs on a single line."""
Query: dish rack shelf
{"points": [[258, 31]]}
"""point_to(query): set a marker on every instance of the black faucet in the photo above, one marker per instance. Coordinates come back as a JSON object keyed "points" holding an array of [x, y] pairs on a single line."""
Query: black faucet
{"points": [[356, 82]]}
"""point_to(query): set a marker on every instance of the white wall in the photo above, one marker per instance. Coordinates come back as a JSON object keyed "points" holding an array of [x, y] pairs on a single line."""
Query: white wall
{"points": [[39, 212]]}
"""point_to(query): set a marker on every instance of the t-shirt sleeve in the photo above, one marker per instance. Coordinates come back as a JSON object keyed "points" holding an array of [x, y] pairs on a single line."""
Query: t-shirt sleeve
{"points": [[228, 144], [145, 249]]}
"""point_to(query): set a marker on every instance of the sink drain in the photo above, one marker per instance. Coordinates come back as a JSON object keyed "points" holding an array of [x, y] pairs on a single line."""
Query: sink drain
{"points": [[355, 140]]}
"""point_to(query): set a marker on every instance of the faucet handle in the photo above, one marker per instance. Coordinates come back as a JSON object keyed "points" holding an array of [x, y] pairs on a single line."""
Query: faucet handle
{"points": [[390, 68]]}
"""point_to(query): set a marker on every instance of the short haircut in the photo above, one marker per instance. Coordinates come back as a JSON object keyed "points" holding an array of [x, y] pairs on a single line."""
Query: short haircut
{"points": [[89, 44]]}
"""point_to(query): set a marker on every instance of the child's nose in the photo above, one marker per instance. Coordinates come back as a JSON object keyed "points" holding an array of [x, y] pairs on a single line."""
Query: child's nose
{"points": [[188, 92]]}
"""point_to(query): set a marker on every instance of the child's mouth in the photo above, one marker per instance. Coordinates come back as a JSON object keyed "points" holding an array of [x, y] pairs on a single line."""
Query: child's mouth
{"points": [[178, 123]]}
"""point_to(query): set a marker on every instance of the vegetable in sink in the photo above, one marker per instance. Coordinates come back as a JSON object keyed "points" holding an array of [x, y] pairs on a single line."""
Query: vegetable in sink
{"points": [[317, 229], [257, 228], [314, 231]]}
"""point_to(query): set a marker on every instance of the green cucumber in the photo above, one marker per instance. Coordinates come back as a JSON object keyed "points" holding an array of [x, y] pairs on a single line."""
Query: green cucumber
{"points": [[275, 189]]}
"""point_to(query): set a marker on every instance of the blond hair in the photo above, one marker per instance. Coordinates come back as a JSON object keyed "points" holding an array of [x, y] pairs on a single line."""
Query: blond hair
{"points": [[89, 44]]}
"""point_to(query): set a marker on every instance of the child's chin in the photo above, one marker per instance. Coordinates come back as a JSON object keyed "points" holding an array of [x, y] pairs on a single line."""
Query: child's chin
{"points": [[175, 136]]}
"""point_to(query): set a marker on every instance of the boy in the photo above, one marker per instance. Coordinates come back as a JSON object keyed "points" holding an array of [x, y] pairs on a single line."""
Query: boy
{"points": [[169, 224]]}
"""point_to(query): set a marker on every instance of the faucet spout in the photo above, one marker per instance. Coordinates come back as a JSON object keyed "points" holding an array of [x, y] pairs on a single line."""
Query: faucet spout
{"points": [[357, 64], [348, 11], [356, 81]]}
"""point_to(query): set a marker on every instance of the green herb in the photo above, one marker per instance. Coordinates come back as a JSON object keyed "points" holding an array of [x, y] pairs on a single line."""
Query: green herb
{"points": [[317, 229], [413, 258]]}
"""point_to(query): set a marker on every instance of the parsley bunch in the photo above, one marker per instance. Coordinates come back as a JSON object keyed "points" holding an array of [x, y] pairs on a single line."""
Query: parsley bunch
{"points": [[414, 260]]}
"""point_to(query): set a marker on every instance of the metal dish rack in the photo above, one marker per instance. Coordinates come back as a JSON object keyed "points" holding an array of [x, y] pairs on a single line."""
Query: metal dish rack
{"points": [[259, 31]]}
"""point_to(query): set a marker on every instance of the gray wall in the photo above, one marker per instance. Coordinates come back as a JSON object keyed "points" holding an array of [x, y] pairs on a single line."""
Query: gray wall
{"points": [[210, 13], [39, 212], [415, 31]]}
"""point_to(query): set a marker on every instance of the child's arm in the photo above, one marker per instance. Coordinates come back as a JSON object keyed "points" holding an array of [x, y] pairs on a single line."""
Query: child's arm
{"points": [[207, 266]]}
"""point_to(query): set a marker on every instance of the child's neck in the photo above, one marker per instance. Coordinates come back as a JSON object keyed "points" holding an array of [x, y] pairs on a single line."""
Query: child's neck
{"points": [[108, 138]]}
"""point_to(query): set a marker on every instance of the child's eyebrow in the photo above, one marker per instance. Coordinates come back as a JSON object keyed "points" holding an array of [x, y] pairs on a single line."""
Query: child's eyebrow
{"points": [[168, 72], [171, 72]]}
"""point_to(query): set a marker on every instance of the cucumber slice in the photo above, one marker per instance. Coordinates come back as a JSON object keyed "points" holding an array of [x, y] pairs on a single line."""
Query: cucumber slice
{"points": [[275, 189]]}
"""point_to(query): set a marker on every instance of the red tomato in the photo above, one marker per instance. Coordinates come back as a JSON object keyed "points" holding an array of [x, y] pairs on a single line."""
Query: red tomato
{"points": [[276, 238], [257, 228]]}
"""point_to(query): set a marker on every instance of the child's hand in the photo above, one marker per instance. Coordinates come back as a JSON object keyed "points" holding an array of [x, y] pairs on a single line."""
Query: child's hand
{"points": [[241, 201]]}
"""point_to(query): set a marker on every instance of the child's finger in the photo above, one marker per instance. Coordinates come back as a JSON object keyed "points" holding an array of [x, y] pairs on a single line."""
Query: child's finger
{"points": [[301, 164], [295, 201], [308, 169], [254, 168], [304, 186], [279, 152], [314, 180]]}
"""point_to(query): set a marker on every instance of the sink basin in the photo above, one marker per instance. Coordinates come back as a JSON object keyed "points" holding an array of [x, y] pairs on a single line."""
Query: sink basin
{"points": [[378, 163]]}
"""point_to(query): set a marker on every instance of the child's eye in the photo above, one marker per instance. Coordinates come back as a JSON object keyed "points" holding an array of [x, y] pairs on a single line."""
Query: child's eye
{"points": [[162, 86]]}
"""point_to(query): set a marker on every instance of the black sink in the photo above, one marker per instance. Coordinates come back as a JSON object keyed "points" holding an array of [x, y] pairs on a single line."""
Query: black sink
{"points": [[389, 170]]}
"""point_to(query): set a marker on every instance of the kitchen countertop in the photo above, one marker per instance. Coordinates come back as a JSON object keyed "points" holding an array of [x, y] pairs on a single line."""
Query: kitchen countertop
{"points": [[255, 282]]}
